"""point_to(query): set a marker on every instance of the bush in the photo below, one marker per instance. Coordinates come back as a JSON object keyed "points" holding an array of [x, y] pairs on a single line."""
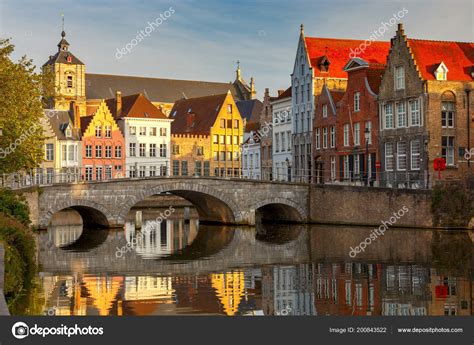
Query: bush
{"points": [[14, 205], [20, 265]]}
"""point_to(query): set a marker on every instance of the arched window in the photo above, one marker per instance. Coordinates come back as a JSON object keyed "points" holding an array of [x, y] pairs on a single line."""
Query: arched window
{"points": [[448, 109], [69, 79]]}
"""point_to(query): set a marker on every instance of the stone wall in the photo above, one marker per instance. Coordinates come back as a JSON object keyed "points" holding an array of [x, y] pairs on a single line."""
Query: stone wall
{"points": [[369, 206]]}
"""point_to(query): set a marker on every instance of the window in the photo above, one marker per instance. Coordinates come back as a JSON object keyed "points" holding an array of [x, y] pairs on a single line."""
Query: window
{"points": [[163, 152], [184, 168], [283, 146], [133, 172], [200, 150], [346, 134], [399, 78], [236, 156], [88, 151], [325, 110], [88, 173], [222, 139], [142, 171], [229, 156], [98, 131], [389, 163], [49, 152], [215, 155], [447, 114], [277, 142], [229, 108], [333, 168], [236, 124], [215, 139], [222, 156], [98, 151], [318, 138], [142, 131], [401, 115], [176, 168], [198, 168], [222, 123], [175, 149], [325, 137], [333, 137], [347, 173], [108, 151], [401, 156], [368, 126], [356, 164], [163, 170], [207, 167], [108, 172], [357, 101], [69, 81], [356, 134], [133, 130], [447, 149], [108, 131], [163, 132], [415, 119], [98, 173], [236, 140], [152, 150], [153, 131], [388, 115], [415, 154], [118, 151], [152, 172], [229, 124], [132, 149], [142, 150], [229, 140]]}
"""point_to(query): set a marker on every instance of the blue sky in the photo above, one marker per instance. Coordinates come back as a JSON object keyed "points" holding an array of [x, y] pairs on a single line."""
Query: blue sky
{"points": [[203, 39]]}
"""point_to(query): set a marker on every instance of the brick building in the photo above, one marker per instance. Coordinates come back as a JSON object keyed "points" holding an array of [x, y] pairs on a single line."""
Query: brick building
{"points": [[425, 108], [266, 132]]}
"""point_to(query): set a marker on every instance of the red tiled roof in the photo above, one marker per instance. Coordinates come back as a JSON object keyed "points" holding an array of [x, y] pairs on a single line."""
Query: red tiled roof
{"points": [[457, 56], [285, 94], [137, 106], [204, 111], [338, 52]]}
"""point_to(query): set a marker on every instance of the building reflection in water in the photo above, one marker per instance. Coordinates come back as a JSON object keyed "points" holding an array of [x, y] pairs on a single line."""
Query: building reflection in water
{"points": [[319, 287]]}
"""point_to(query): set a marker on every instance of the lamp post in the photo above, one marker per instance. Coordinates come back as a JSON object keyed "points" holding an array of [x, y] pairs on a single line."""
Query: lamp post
{"points": [[288, 172], [367, 136]]}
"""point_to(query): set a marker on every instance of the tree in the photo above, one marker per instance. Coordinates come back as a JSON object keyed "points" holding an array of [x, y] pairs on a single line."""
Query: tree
{"points": [[22, 92]]}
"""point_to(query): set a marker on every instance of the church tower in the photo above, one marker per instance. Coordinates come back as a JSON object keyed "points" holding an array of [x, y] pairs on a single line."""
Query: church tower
{"points": [[69, 76]]}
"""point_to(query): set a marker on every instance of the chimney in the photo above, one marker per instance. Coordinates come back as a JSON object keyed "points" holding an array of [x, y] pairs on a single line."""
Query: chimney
{"points": [[253, 93], [118, 98], [76, 116]]}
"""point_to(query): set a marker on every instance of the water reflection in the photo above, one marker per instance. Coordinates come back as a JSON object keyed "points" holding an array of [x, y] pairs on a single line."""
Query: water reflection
{"points": [[190, 268]]}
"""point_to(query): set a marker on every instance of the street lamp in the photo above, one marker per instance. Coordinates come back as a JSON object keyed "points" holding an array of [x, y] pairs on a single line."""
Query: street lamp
{"points": [[367, 137], [288, 167]]}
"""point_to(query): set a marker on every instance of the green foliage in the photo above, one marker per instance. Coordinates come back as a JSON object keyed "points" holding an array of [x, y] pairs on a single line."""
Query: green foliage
{"points": [[20, 265], [22, 92], [451, 205], [14, 205]]}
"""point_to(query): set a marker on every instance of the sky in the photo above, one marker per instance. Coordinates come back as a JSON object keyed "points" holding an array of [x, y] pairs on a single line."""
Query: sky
{"points": [[203, 39]]}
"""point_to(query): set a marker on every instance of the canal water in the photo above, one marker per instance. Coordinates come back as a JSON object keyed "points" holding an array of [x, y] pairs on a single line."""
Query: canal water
{"points": [[173, 266]]}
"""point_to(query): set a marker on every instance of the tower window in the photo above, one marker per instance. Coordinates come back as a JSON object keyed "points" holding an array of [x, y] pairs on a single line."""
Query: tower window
{"points": [[69, 81]]}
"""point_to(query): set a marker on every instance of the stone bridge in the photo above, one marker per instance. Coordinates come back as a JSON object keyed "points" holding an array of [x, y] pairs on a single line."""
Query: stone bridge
{"points": [[226, 201]]}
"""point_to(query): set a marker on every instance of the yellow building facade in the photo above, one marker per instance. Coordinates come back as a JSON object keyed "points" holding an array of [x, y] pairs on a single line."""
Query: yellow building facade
{"points": [[206, 136]]}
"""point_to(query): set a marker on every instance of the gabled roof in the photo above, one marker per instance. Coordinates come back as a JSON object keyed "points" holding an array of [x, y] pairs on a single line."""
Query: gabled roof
{"points": [[457, 56], [85, 121], [284, 94], [59, 120], [339, 51], [62, 57], [135, 106], [102, 86], [374, 77], [204, 111], [250, 110]]}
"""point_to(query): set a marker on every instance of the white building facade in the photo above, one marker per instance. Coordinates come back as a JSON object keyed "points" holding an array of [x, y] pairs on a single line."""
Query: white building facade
{"points": [[282, 137], [251, 157]]}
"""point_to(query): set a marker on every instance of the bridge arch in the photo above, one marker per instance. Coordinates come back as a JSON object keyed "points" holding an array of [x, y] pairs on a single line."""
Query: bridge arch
{"points": [[278, 209], [91, 212], [212, 205]]}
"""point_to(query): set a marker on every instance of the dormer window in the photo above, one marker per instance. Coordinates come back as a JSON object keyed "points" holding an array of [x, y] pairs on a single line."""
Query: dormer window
{"points": [[324, 64], [441, 73], [68, 132], [69, 58]]}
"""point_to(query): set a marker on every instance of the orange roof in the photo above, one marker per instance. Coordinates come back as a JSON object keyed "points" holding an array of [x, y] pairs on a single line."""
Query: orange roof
{"points": [[137, 106], [457, 56], [339, 51]]}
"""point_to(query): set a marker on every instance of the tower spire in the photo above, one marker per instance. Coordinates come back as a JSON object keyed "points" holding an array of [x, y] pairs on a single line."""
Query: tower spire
{"points": [[237, 72]]}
